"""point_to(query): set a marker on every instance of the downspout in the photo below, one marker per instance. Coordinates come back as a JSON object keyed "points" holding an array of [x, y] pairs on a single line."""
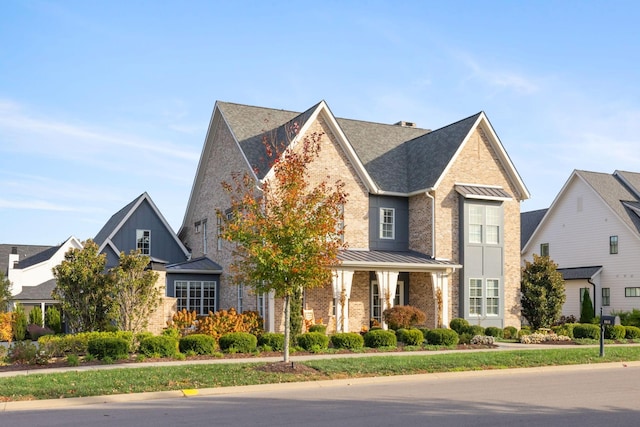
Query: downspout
{"points": [[594, 295], [433, 223]]}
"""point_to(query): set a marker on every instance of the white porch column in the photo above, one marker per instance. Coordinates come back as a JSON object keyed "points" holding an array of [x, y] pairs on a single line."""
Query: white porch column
{"points": [[43, 312], [341, 281], [271, 319], [387, 283], [441, 283]]}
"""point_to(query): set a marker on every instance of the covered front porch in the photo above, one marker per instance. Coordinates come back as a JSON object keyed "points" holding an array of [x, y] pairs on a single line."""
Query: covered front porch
{"points": [[367, 283]]}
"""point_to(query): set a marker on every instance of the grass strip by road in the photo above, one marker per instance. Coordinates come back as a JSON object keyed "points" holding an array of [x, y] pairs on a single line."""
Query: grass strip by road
{"points": [[147, 379]]}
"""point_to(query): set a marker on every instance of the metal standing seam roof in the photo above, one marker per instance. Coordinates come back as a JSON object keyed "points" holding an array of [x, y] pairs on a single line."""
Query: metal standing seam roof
{"points": [[202, 264], [392, 257]]}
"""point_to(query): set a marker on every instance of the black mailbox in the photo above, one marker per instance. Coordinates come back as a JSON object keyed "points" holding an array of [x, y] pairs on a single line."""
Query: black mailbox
{"points": [[607, 320]]}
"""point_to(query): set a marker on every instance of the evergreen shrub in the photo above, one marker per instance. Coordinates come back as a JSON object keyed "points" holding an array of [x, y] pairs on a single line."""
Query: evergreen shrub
{"points": [[159, 346], [272, 340], [586, 330], [442, 336], [108, 347], [380, 338], [240, 342], [410, 336], [347, 340], [197, 343], [311, 339]]}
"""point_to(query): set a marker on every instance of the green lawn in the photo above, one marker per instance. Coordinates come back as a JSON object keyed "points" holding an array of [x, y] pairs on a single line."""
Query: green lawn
{"points": [[145, 379]]}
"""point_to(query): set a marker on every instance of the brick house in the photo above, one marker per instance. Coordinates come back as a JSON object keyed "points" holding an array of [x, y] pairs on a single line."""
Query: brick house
{"points": [[432, 218]]}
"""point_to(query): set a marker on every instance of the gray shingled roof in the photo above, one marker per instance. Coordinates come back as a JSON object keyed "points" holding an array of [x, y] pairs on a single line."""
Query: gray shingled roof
{"points": [[579, 273], [399, 159], [39, 293], [528, 223], [38, 258], [614, 194], [632, 179], [113, 222], [24, 252], [202, 264]]}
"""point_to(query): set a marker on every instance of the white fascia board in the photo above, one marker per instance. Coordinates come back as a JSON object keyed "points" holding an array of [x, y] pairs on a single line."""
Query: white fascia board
{"points": [[502, 156], [165, 223]]}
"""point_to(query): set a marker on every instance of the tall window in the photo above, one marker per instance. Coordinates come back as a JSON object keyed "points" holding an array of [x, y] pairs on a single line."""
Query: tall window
{"points": [[377, 299], [475, 224], [261, 302], [240, 308], [204, 236], [544, 249], [493, 225], [484, 297], [387, 223], [475, 297], [143, 241], [606, 296], [198, 296], [219, 231], [613, 244]]}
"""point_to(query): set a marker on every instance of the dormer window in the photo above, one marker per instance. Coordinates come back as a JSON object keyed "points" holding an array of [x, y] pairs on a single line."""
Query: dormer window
{"points": [[143, 241], [387, 223]]}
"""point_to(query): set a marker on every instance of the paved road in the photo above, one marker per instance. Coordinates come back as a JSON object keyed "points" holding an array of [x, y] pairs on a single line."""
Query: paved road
{"points": [[587, 395]]}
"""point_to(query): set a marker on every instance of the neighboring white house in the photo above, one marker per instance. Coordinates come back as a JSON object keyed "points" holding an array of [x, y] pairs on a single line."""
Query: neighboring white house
{"points": [[592, 231], [32, 277]]}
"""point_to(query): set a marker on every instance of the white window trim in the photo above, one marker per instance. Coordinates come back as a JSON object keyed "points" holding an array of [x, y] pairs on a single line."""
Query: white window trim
{"points": [[189, 285], [399, 296], [143, 231], [382, 223]]}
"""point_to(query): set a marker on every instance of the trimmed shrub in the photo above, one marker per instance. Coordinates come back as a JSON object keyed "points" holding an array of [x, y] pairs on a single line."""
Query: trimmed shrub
{"points": [[403, 316], [197, 343], [586, 308], [36, 331], [586, 330], [510, 333], [240, 342], [348, 340], [108, 347], [159, 346], [411, 336], [475, 330], [632, 332], [442, 336], [493, 331], [459, 325], [614, 332], [272, 340], [19, 323], [35, 316], [465, 338], [566, 329], [53, 319], [318, 328], [310, 340], [380, 338], [172, 332]]}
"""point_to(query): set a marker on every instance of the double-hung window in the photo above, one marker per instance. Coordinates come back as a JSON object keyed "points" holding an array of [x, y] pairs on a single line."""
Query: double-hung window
{"points": [[484, 297], [613, 245], [387, 223]]}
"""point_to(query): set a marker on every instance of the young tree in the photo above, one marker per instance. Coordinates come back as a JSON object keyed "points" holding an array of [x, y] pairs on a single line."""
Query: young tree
{"points": [[285, 229], [82, 288], [5, 293], [135, 295], [587, 313], [543, 294]]}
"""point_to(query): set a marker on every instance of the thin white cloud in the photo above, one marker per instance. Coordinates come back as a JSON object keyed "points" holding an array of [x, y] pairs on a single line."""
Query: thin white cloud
{"points": [[498, 76], [40, 205]]}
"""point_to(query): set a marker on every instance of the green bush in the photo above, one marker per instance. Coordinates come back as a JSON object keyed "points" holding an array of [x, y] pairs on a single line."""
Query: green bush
{"points": [[108, 347], [442, 336], [19, 323], [35, 316], [172, 332], [465, 338], [311, 339], [411, 336], [475, 330], [272, 340], [198, 344], [22, 352], [632, 332], [566, 329], [614, 332], [459, 325], [493, 331], [380, 338], [53, 320], [586, 330], [348, 340], [239, 342], [510, 333], [628, 318], [318, 328], [159, 346]]}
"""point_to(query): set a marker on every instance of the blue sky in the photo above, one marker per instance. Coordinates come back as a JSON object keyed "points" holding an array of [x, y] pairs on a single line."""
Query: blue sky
{"points": [[101, 101]]}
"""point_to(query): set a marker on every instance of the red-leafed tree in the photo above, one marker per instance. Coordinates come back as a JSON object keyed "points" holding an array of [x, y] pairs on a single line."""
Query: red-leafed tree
{"points": [[286, 228]]}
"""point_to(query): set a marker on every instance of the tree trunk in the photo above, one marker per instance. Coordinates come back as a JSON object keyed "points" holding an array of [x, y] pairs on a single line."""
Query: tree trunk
{"points": [[287, 327]]}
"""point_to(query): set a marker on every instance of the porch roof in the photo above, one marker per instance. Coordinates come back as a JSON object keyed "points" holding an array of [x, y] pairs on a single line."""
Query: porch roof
{"points": [[41, 292], [393, 260], [202, 265], [580, 273]]}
